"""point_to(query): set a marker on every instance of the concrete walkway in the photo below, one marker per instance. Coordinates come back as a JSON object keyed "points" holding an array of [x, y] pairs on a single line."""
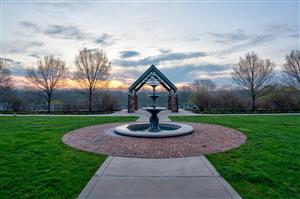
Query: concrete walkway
{"points": [[186, 178], [129, 178]]}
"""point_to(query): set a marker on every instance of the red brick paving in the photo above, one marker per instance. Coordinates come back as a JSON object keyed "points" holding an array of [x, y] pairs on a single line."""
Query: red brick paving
{"points": [[205, 139]]}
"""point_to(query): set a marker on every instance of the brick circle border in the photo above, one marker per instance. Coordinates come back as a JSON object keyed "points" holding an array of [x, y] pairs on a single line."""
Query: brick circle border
{"points": [[205, 139]]}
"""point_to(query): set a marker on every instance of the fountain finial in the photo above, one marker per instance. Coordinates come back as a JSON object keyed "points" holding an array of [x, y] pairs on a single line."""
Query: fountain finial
{"points": [[153, 82]]}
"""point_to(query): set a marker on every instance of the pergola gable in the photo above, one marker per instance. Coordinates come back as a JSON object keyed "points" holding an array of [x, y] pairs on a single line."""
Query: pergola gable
{"points": [[152, 72]]}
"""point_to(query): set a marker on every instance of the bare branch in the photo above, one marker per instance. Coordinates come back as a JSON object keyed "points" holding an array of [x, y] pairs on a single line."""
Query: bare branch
{"points": [[254, 75], [92, 68], [292, 68], [6, 82], [47, 76], [204, 85]]}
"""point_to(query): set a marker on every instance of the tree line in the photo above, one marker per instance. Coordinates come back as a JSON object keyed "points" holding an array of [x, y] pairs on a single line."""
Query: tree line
{"points": [[92, 69], [254, 76]]}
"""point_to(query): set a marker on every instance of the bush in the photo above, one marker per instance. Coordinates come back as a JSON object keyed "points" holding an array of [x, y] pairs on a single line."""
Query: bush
{"points": [[105, 102], [228, 101], [283, 98]]}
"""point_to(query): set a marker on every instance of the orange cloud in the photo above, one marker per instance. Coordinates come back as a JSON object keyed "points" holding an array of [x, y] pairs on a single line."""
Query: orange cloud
{"points": [[21, 82]]}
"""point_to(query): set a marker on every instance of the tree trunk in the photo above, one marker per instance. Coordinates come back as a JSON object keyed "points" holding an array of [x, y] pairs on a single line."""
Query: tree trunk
{"points": [[90, 99], [49, 103], [253, 103]]}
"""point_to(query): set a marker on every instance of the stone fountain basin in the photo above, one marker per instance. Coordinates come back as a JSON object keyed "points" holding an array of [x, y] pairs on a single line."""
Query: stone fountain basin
{"points": [[167, 129]]}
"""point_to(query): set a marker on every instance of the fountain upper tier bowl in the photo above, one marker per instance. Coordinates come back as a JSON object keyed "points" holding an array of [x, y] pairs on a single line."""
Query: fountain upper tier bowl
{"points": [[169, 129], [154, 109]]}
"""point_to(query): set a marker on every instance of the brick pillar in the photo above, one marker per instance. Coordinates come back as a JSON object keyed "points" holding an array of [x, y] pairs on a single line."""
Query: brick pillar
{"points": [[136, 102], [169, 101], [174, 103], [131, 103]]}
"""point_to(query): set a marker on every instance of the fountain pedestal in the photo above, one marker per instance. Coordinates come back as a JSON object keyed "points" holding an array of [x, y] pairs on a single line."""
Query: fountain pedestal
{"points": [[154, 119], [154, 123]]}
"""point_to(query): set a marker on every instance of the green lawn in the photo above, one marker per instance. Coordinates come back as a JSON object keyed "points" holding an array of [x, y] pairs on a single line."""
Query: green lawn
{"points": [[34, 162], [268, 164]]}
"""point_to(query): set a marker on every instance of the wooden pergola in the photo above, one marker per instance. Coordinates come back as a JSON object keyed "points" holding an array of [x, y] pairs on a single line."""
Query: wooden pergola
{"points": [[152, 72]]}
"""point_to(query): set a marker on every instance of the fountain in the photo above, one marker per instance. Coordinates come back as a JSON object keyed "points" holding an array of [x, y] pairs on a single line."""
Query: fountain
{"points": [[154, 128]]}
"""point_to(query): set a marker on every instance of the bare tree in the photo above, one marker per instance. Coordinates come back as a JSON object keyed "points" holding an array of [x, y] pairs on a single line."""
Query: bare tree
{"points": [[203, 93], [255, 75], [92, 68], [47, 76], [205, 85], [292, 68], [6, 82]]}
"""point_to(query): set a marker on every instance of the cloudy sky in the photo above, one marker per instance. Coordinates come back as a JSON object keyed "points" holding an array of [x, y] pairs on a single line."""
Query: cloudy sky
{"points": [[185, 40]]}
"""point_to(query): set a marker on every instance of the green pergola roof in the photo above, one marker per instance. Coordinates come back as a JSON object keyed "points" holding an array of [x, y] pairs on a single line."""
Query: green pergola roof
{"points": [[152, 72]]}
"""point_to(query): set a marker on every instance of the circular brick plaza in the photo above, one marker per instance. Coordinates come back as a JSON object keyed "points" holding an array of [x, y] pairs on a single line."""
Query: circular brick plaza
{"points": [[205, 139]]}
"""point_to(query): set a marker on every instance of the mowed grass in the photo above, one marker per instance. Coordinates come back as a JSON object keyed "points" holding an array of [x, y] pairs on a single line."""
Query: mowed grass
{"points": [[35, 163], [268, 164]]}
